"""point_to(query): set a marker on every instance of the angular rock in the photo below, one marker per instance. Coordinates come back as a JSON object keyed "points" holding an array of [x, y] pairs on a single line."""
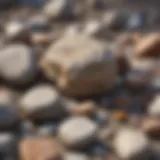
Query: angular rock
{"points": [[9, 115], [17, 64], [42, 103], [78, 69], [77, 132], [148, 46], [154, 107], [38, 149], [131, 144], [75, 156]]}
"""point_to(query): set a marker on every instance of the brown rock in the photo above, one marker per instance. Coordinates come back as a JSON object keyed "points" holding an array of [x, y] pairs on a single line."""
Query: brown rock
{"points": [[39, 149], [148, 46], [78, 69], [120, 115], [85, 108], [151, 126]]}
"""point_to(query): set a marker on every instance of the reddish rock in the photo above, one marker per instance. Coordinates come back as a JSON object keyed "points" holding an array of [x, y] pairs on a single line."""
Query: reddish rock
{"points": [[39, 149]]}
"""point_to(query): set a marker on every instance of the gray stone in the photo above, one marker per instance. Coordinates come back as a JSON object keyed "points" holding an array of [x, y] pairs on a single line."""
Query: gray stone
{"points": [[130, 143], [47, 129], [154, 107], [9, 115], [80, 70], [7, 143], [77, 132], [42, 102], [17, 64]]}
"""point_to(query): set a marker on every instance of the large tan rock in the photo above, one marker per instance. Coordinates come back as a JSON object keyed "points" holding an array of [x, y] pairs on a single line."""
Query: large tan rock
{"points": [[81, 66], [39, 149]]}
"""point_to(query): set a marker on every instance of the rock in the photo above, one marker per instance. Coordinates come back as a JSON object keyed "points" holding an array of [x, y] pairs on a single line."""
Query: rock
{"points": [[27, 129], [126, 145], [38, 149], [73, 65], [48, 129], [120, 115], [77, 132], [151, 126], [7, 143], [140, 73], [48, 105], [148, 46], [31, 4], [17, 64], [16, 30], [136, 21], [83, 109], [9, 114], [38, 23], [75, 156], [154, 107], [62, 9]]}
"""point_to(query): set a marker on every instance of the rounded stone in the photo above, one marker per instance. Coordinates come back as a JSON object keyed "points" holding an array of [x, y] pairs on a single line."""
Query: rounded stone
{"points": [[17, 64], [130, 143], [41, 103], [77, 131]]}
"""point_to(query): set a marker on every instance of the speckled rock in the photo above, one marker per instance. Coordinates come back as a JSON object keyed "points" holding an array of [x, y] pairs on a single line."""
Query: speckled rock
{"points": [[39, 148], [79, 70], [126, 144], [77, 132], [17, 64], [48, 105]]}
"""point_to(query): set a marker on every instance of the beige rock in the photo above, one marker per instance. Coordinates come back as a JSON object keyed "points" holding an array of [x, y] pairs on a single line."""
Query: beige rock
{"points": [[39, 149], [81, 67], [148, 46]]}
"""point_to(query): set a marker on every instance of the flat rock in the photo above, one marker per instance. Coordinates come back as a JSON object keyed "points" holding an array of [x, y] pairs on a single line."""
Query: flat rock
{"points": [[80, 70], [38, 149], [17, 64], [77, 132], [126, 144], [48, 105]]}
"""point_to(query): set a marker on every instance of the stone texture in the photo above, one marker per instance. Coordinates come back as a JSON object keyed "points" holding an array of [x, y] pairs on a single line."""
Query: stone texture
{"points": [[48, 105], [38, 149], [75, 156], [154, 107], [151, 126], [77, 132], [7, 143], [17, 64], [130, 143], [148, 46], [9, 115], [80, 70]]}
